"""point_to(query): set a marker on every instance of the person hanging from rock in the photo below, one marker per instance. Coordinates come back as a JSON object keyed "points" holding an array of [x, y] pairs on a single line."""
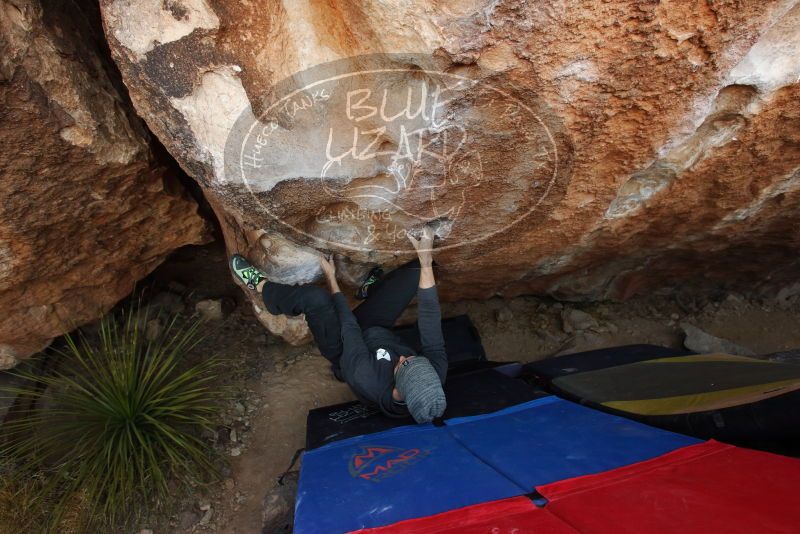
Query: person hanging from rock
{"points": [[379, 368]]}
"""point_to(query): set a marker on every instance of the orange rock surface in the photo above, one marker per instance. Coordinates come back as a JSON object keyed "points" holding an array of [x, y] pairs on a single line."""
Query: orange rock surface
{"points": [[86, 210], [594, 150]]}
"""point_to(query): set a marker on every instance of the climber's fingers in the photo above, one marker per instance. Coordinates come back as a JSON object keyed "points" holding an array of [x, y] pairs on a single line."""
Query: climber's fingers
{"points": [[327, 264], [427, 236], [414, 241], [425, 241]]}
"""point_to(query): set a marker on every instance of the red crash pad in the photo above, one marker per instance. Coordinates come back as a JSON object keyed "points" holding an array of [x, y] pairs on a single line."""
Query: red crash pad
{"points": [[517, 514], [708, 488]]}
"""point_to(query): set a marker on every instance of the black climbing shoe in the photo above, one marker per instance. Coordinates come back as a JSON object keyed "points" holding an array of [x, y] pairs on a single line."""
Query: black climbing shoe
{"points": [[245, 272], [371, 279]]}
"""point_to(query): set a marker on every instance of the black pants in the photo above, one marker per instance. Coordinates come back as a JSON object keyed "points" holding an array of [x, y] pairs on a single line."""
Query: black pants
{"points": [[387, 300]]}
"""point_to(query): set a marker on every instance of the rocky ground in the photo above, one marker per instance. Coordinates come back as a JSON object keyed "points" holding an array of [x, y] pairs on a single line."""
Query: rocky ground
{"points": [[275, 384]]}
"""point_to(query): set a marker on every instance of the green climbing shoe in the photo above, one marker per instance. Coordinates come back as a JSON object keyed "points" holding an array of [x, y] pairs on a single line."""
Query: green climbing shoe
{"points": [[245, 272], [372, 278]]}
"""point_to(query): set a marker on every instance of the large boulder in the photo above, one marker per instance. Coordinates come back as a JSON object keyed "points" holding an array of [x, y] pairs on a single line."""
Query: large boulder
{"points": [[86, 210], [583, 150]]}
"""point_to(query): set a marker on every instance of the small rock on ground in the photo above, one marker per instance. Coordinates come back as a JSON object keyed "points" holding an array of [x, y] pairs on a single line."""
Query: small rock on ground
{"points": [[577, 320], [788, 295], [153, 329], [206, 519], [210, 310], [277, 512], [699, 341], [503, 315]]}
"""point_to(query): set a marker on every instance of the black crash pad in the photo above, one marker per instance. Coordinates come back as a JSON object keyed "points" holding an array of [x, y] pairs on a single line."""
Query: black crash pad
{"points": [[542, 372], [771, 423], [468, 393]]}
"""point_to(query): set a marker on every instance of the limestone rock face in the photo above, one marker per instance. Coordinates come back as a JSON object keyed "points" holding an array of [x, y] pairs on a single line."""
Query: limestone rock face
{"points": [[85, 208], [583, 150]]}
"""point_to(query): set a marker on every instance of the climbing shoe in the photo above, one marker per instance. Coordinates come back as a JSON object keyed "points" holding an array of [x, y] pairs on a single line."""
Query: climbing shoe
{"points": [[371, 279], [245, 272]]}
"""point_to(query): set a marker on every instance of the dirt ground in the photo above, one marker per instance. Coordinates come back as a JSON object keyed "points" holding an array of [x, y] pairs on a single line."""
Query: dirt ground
{"points": [[276, 384]]}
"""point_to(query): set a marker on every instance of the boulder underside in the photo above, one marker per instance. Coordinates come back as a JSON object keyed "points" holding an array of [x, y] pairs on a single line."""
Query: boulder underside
{"points": [[583, 151]]}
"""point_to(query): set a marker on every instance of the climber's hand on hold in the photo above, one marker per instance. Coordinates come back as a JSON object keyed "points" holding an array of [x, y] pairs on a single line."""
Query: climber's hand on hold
{"points": [[328, 266], [424, 246], [329, 270]]}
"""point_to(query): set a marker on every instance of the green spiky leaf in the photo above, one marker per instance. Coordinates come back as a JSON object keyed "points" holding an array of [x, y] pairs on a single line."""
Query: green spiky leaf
{"points": [[113, 429]]}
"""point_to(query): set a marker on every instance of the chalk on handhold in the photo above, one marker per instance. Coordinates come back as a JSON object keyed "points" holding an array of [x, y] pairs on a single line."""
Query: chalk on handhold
{"points": [[441, 228]]}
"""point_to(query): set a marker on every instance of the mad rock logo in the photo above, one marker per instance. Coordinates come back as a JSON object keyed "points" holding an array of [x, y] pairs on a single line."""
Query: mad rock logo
{"points": [[377, 145], [375, 463]]}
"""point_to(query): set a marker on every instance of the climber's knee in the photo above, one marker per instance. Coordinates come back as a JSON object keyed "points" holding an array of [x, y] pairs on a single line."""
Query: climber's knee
{"points": [[315, 299]]}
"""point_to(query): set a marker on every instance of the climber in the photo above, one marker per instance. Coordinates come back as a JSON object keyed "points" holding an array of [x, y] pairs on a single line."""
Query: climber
{"points": [[379, 368]]}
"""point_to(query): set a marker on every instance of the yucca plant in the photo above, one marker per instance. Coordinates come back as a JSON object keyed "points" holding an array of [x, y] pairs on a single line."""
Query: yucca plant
{"points": [[113, 429]]}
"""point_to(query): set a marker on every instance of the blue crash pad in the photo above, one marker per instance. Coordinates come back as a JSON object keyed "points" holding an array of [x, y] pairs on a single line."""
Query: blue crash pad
{"points": [[552, 439], [382, 478], [420, 470]]}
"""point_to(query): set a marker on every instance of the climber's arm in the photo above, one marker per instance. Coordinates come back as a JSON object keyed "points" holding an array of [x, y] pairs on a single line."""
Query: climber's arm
{"points": [[429, 315], [361, 371], [352, 341]]}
